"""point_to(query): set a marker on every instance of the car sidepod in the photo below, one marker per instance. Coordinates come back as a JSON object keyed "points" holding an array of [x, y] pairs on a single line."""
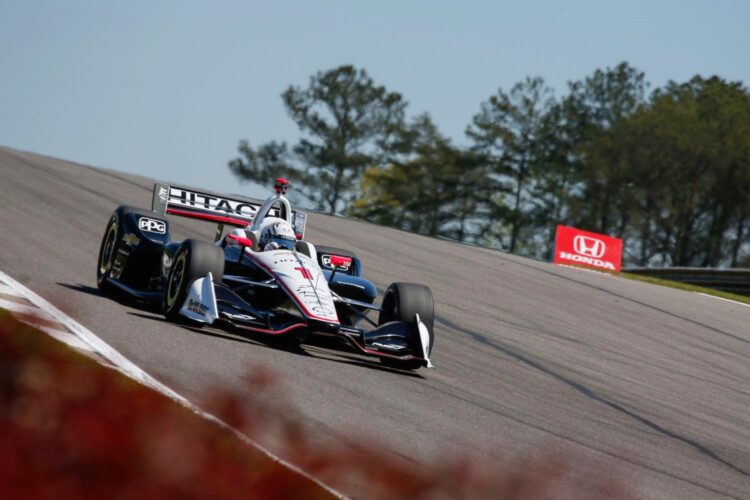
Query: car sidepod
{"points": [[136, 253]]}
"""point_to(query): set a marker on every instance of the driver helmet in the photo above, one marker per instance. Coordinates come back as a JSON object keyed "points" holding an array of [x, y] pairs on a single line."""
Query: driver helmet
{"points": [[276, 236]]}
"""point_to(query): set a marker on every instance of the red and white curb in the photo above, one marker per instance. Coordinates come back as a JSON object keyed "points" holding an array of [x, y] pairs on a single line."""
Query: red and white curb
{"points": [[14, 301], [31, 308]]}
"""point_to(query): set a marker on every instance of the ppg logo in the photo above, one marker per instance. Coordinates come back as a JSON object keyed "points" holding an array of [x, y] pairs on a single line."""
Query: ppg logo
{"points": [[588, 246], [152, 225]]}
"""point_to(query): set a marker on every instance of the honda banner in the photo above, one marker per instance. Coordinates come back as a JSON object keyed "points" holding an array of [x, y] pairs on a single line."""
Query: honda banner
{"points": [[573, 246]]}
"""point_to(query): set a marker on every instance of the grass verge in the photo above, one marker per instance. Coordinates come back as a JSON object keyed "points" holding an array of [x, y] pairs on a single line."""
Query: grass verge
{"points": [[685, 286]]}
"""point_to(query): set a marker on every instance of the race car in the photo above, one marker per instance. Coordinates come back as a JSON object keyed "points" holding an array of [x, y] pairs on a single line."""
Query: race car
{"points": [[260, 275]]}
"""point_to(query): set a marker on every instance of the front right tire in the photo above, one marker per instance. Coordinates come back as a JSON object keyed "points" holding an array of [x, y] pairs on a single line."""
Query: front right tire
{"points": [[402, 302]]}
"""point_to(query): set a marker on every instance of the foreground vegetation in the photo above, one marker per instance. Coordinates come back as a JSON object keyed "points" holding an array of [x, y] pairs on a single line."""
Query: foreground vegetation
{"points": [[72, 428]]}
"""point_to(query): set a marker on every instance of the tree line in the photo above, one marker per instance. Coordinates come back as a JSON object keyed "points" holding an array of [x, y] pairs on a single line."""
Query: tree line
{"points": [[668, 170]]}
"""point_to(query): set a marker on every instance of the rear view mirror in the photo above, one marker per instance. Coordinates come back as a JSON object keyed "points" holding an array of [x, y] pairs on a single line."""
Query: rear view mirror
{"points": [[337, 261], [233, 239]]}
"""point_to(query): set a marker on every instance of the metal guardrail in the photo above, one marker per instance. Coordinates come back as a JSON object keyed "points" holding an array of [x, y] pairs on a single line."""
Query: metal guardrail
{"points": [[726, 280]]}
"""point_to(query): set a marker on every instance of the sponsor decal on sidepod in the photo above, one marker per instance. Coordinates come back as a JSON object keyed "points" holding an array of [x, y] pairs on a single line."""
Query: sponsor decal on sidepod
{"points": [[152, 225]]}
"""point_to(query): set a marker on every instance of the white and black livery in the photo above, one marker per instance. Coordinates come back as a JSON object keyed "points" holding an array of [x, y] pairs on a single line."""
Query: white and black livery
{"points": [[260, 276]]}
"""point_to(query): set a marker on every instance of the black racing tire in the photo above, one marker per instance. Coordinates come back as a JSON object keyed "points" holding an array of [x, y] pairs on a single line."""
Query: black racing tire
{"points": [[194, 259], [401, 302], [107, 252]]}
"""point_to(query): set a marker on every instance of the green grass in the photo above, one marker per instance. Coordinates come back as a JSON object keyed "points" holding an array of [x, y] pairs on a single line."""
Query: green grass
{"points": [[685, 286], [676, 284]]}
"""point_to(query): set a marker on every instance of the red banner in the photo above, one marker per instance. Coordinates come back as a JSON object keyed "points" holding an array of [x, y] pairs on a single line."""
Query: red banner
{"points": [[582, 248]]}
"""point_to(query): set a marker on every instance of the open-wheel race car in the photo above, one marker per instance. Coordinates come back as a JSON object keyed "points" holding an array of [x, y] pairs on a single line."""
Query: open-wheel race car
{"points": [[260, 275]]}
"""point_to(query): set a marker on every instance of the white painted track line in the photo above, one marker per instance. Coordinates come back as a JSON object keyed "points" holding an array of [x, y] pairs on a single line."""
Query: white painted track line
{"points": [[722, 298], [66, 338], [5, 289], [31, 311], [91, 342]]}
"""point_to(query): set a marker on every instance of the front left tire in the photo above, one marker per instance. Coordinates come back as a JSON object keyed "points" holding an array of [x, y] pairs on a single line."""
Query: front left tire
{"points": [[194, 259]]}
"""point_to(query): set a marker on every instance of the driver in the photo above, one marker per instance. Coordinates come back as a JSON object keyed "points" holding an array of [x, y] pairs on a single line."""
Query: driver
{"points": [[276, 234], [271, 232]]}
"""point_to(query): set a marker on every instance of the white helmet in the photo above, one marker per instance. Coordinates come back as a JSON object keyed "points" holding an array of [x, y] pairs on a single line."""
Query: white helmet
{"points": [[277, 234]]}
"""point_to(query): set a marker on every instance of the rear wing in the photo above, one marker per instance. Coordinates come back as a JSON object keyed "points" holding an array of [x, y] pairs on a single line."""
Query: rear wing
{"points": [[235, 210]]}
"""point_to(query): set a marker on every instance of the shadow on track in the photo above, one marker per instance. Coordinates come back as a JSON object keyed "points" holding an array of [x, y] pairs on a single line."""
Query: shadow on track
{"points": [[119, 297], [78, 287], [589, 393], [324, 348], [318, 347]]}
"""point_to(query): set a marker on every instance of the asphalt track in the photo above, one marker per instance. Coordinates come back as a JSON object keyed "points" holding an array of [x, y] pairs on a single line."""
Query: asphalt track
{"points": [[651, 382]]}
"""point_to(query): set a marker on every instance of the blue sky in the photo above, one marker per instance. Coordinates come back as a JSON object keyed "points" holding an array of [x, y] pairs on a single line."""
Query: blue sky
{"points": [[168, 88]]}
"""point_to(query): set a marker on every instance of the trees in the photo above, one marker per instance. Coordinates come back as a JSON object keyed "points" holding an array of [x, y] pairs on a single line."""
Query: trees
{"points": [[670, 176], [689, 154], [347, 123], [597, 105], [430, 191], [669, 172], [509, 132], [556, 177]]}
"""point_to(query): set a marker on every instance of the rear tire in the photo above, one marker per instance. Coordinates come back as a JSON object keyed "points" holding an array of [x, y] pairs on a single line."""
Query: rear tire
{"points": [[194, 259], [401, 302], [107, 252]]}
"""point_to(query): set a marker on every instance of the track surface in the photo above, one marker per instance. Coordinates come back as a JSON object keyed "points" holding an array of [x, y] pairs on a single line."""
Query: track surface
{"points": [[652, 382]]}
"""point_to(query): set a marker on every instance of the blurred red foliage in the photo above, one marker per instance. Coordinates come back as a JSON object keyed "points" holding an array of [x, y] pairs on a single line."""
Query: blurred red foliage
{"points": [[71, 428]]}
